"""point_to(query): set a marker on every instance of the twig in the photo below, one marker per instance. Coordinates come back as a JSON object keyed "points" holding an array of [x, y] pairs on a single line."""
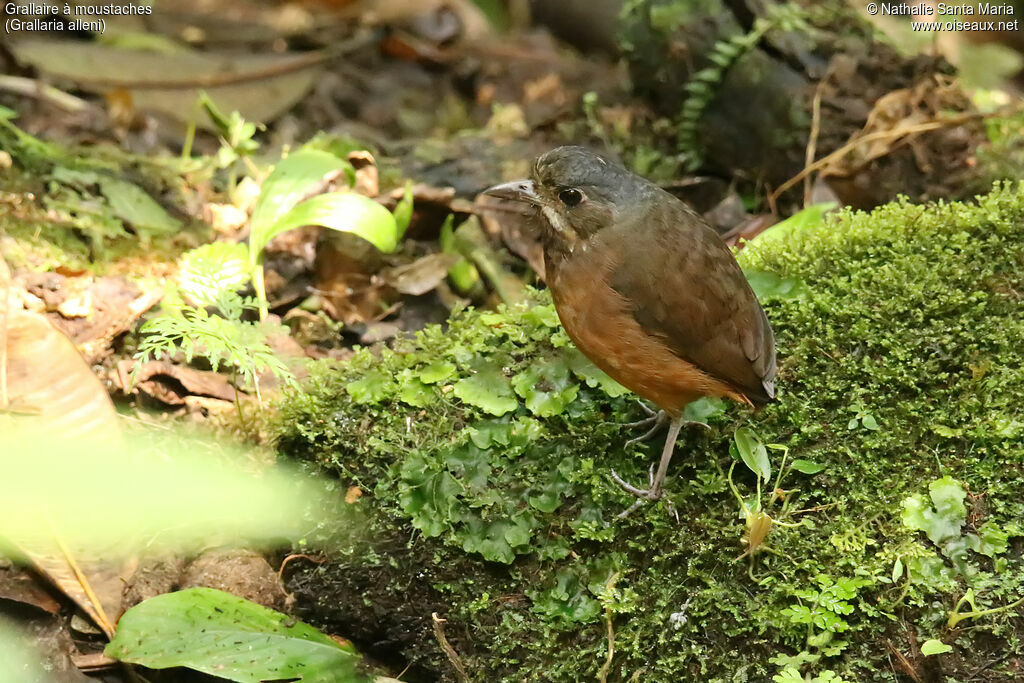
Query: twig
{"points": [[103, 621], [34, 88], [870, 137], [812, 139], [453, 656], [602, 675]]}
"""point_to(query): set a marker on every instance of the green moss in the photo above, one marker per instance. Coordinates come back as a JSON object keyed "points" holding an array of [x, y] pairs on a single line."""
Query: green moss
{"points": [[89, 208], [900, 363]]}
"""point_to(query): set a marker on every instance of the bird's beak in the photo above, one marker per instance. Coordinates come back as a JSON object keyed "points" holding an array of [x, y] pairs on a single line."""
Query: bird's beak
{"points": [[517, 191]]}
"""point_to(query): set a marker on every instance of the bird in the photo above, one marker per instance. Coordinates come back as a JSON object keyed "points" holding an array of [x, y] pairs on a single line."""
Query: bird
{"points": [[646, 290]]}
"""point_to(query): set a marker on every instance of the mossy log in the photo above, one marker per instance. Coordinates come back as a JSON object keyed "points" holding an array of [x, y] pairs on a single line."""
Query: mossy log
{"points": [[740, 80], [482, 453]]}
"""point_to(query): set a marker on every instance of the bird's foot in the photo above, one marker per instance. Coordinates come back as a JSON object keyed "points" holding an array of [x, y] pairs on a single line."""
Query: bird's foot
{"points": [[654, 421], [653, 493]]}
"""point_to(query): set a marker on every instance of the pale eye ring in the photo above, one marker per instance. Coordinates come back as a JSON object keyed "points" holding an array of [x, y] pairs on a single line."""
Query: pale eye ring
{"points": [[570, 197]]}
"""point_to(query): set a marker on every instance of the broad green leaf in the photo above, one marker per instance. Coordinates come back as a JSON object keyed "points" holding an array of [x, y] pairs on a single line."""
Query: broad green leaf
{"points": [[491, 544], [342, 211], [703, 409], [567, 601], [768, 285], [546, 386], [485, 434], [789, 675], [934, 647], [807, 466], [752, 452], [223, 635], [943, 519], [134, 206], [519, 534], [808, 218], [373, 387], [7, 114], [415, 393], [594, 376], [869, 422], [488, 389], [437, 371], [293, 179], [209, 270], [992, 540]]}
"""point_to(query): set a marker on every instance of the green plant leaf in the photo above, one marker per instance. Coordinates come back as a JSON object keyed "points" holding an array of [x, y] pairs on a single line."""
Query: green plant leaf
{"points": [[223, 635], [207, 271], [293, 179], [869, 422], [768, 285], [546, 386], [437, 371], [134, 206], [934, 647], [704, 409], [416, 393], [488, 389], [594, 376], [807, 466], [789, 675], [942, 522], [345, 212], [464, 275], [807, 218], [897, 570], [994, 540], [752, 452], [567, 601], [373, 387], [403, 211]]}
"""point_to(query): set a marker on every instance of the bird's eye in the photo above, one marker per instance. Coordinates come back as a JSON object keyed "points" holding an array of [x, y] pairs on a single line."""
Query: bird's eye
{"points": [[570, 197]]}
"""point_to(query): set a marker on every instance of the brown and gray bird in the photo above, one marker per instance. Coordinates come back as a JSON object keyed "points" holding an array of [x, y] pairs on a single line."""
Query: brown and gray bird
{"points": [[646, 290]]}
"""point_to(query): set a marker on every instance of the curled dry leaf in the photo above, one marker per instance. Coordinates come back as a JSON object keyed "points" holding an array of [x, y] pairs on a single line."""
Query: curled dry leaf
{"points": [[43, 374]]}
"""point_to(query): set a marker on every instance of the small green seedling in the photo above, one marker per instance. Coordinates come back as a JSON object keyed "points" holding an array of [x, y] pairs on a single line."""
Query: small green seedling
{"points": [[754, 454]]}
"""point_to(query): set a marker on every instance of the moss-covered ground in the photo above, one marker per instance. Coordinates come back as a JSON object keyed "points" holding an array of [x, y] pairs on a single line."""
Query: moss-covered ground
{"points": [[483, 449]]}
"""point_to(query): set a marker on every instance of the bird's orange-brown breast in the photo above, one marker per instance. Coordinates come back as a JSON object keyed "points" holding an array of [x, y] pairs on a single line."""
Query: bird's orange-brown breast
{"points": [[599, 321]]}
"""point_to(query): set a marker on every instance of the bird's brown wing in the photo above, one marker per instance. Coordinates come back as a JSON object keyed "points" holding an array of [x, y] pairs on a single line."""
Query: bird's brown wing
{"points": [[685, 287]]}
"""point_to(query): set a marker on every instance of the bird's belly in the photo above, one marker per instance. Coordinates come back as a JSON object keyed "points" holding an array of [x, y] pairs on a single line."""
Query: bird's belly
{"points": [[599, 322]]}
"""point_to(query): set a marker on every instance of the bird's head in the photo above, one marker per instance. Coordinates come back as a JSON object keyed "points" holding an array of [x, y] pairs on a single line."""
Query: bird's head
{"points": [[575, 194]]}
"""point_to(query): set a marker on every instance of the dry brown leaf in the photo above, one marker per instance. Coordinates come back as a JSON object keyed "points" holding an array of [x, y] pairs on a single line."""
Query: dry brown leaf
{"points": [[171, 383], [44, 374], [422, 275], [170, 83]]}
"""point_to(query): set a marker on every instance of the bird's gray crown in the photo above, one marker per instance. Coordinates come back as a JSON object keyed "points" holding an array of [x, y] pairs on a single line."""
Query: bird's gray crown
{"points": [[579, 167]]}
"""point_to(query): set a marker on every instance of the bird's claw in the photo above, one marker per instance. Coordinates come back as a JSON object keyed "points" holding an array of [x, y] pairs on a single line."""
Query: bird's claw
{"points": [[645, 494], [656, 422], [642, 495]]}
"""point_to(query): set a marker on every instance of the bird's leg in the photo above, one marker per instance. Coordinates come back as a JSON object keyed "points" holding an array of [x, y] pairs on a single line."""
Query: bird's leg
{"points": [[655, 490]]}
